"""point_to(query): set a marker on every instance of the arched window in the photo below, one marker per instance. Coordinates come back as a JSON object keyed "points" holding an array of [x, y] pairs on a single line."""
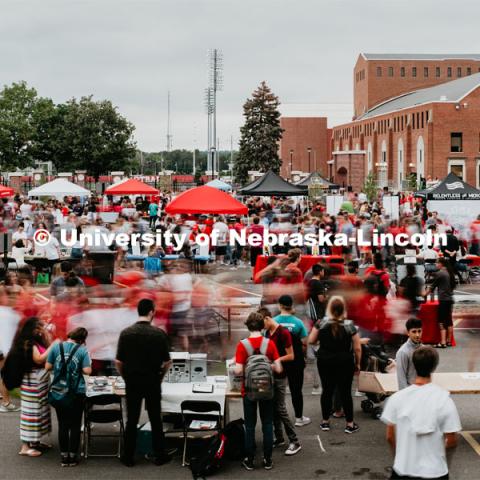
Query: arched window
{"points": [[420, 158], [383, 166], [400, 164], [369, 158]]}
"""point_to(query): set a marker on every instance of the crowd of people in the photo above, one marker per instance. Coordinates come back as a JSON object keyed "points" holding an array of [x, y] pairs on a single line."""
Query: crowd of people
{"points": [[325, 314]]}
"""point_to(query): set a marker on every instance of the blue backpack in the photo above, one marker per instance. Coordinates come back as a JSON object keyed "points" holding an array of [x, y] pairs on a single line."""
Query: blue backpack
{"points": [[63, 389]]}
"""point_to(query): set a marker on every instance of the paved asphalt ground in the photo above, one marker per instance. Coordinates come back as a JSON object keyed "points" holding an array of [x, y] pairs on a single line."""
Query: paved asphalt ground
{"points": [[325, 455]]}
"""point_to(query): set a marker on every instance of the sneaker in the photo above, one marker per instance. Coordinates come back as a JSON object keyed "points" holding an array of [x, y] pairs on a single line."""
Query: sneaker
{"points": [[293, 448], [248, 464], [65, 462], [325, 426], [73, 460], [301, 422], [9, 407], [352, 429], [278, 443], [316, 391], [267, 463]]}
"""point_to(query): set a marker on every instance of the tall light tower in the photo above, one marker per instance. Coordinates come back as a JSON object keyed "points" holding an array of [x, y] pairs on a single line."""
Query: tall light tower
{"points": [[215, 84]]}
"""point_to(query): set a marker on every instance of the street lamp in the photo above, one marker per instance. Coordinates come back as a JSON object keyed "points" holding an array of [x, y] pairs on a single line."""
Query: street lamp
{"points": [[309, 150], [291, 162]]}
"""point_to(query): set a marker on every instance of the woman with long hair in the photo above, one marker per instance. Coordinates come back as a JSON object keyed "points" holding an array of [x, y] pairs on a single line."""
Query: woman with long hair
{"points": [[338, 358], [444, 282], [32, 345]]}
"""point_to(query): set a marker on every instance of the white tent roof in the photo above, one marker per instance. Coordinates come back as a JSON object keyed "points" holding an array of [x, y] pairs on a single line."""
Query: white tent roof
{"points": [[59, 188]]}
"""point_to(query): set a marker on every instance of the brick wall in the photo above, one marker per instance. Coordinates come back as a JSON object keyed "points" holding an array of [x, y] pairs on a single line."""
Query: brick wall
{"points": [[301, 133]]}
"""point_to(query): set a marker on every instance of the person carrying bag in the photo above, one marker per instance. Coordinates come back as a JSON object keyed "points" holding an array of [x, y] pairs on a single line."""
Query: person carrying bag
{"points": [[69, 361]]}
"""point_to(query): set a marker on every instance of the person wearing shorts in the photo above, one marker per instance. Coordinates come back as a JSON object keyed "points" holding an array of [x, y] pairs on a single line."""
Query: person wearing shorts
{"points": [[444, 282]]}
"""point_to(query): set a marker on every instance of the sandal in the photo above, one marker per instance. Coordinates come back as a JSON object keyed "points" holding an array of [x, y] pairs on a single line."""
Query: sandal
{"points": [[440, 345], [41, 446], [31, 452], [449, 344]]}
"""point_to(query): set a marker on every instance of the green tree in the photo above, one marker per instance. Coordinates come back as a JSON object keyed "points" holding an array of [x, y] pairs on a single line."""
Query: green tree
{"points": [[260, 135], [370, 187], [17, 126], [97, 137]]}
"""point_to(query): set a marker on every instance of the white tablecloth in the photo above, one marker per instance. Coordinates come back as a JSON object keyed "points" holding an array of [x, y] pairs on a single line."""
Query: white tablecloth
{"points": [[173, 394]]}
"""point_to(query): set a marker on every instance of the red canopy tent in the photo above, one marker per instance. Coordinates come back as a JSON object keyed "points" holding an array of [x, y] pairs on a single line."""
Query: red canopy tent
{"points": [[131, 187], [205, 200], [6, 191]]}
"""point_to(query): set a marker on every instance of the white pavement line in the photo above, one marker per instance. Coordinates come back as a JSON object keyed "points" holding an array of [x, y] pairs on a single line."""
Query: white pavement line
{"points": [[235, 288], [321, 444], [464, 293]]}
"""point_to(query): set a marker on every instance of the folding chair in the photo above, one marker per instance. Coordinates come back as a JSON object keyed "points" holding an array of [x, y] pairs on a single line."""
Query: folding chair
{"points": [[199, 410], [95, 412]]}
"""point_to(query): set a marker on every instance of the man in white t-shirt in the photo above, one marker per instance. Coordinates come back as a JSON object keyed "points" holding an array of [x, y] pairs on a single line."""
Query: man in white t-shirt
{"points": [[422, 422], [221, 229], [25, 209]]}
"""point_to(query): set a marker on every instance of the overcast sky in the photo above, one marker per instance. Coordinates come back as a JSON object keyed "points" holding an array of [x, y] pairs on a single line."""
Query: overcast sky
{"points": [[134, 52]]}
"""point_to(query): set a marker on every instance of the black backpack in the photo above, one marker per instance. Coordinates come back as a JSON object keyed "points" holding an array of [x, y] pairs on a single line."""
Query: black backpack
{"points": [[13, 369], [375, 285], [235, 440], [208, 463]]}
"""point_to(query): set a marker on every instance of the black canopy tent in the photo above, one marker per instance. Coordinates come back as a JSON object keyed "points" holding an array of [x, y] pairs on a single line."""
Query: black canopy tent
{"points": [[272, 184], [450, 188], [316, 178]]}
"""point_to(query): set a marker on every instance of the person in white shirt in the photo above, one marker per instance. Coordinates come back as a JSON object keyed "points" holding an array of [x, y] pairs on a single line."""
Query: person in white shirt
{"points": [[422, 422], [222, 240], [25, 209], [20, 233], [19, 251]]}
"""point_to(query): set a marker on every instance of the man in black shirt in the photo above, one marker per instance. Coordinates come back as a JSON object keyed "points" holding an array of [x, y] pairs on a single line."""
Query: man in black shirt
{"points": [[142, 360]]}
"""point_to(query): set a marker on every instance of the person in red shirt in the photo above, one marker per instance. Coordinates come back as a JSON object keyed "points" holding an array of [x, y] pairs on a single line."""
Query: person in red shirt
{"points": [[255, 325], [257, 250]]}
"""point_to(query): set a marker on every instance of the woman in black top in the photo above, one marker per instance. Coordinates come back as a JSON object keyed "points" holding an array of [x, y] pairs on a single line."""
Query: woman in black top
{"points": [[337, 359]]}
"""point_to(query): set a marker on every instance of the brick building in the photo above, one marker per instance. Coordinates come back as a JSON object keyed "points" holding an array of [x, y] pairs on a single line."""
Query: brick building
{"points": [[403, 125], [305, 145], [380, 77]]}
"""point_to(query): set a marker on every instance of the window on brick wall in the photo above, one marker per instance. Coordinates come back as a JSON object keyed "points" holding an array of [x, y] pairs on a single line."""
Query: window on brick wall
{"points": [[390, 71], [456, 142], [449, 71], [459, 71], [379, 71], [414, 71], [402, 71], [437, 71], [425, 71], [469, 70]]}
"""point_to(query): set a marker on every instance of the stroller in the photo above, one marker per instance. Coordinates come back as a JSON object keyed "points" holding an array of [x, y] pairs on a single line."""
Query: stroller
{"points": [[374, 359]]}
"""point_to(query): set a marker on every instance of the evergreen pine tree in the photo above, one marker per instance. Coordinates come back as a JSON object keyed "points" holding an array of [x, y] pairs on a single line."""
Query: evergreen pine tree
{"points": [[259, 135]]}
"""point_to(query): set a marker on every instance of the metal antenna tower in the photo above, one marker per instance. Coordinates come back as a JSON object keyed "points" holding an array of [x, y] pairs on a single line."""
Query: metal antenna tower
{"points": [[215, 84], [169, 135]]}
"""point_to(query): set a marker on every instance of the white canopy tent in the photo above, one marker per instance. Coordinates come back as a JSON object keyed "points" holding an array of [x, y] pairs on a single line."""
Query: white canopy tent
{"points": [[59, 188]]}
